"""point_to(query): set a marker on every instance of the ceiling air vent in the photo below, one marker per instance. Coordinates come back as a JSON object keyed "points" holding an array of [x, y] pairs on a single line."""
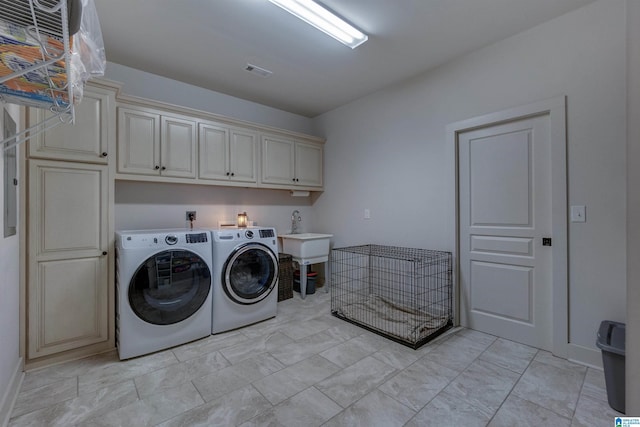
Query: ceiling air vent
{"points": [[258, 71]]}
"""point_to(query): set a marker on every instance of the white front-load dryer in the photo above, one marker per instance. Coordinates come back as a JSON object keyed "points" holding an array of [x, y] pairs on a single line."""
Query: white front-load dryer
{"points": [[245, 276], [163, 289]]}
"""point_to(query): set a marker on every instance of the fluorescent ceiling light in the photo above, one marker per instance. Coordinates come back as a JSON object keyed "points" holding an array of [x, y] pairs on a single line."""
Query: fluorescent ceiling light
{"points": [[316, 15]]}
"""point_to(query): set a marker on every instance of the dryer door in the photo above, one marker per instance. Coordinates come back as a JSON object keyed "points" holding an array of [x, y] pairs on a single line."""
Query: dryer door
{"points": [[169, 287], [250, 273]]}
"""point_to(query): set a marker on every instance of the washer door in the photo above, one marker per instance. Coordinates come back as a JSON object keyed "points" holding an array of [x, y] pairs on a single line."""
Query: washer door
{"points": [[169, 287], [250, 273]]}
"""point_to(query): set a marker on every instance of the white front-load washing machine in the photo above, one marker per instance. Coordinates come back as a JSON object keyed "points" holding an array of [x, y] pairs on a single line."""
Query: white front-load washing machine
{"points": [[163, 289], [245, 277]]}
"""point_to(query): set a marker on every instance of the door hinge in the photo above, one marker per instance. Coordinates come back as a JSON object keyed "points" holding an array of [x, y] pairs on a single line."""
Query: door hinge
{"points": [[546, 241]]}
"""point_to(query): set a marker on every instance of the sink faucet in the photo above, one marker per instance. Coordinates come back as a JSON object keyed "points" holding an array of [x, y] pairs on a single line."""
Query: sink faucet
{"points": [[295, 219]]}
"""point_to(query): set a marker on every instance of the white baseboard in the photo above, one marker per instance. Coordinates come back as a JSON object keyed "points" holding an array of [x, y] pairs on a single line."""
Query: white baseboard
{"points": [[9, 398], [585, 356]]}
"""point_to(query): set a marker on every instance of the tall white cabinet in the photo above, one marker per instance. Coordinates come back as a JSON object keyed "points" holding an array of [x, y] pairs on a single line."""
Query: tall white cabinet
{"points": [[69, 248]]}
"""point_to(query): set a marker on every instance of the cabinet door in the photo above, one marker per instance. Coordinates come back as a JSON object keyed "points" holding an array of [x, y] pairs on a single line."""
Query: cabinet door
{"points": [[308, 164], [278, 161], [87, 139], [178, 147], [68, 270], [138, 142], [243, 156], [213, 144]]}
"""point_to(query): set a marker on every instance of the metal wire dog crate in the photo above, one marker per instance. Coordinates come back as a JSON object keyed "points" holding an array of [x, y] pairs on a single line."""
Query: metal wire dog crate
{"points": [[404, 294]]}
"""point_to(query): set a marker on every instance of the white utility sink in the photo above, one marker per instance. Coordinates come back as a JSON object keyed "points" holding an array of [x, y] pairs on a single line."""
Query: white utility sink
{"points": [[306, 245]]}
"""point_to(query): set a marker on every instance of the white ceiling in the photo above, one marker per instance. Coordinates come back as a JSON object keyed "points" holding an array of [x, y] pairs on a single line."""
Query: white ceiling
{"points": [[208, 43]]}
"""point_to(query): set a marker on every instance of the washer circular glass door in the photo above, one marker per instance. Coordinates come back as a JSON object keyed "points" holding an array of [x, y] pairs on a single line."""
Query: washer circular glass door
{"points": [[169, 287], [250, 273]]}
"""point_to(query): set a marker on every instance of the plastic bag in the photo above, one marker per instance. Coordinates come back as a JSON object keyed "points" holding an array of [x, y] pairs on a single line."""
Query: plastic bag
{"points": [[88, 47], [88, 58]]}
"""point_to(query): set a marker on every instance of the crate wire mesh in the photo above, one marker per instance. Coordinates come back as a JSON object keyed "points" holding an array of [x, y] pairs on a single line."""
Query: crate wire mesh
{"points": [[404, 294]]}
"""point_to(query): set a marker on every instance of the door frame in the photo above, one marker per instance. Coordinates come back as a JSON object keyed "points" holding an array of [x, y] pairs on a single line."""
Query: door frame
{"points": [[555, 108]]}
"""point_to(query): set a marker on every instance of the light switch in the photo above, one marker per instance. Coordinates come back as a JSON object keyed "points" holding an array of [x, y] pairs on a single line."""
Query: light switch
{"points": [[578, 214], [367, 214]]}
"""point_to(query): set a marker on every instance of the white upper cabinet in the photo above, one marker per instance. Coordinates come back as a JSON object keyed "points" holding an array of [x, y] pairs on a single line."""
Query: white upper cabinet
{"points": [[291, 163], [227, 154], [87, 139], [150, 143], [164, 143]]}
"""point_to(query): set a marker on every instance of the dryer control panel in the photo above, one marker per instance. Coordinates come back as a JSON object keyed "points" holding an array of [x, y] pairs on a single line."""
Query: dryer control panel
{"points": [[243, 234], [197, 238]]}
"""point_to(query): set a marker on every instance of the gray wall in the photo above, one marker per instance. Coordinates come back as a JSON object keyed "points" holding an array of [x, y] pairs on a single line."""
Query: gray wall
{"points": [[148, 205], [388, 152], [151, 86]]}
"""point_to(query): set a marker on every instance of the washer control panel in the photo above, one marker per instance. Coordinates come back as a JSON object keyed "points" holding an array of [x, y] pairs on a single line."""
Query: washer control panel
{"points": [[162, 238], [267, 232]]}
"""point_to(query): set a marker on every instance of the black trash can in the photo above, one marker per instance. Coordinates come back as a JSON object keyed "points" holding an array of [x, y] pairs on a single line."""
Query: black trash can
{"points": [[311, 282], [611, 340]]}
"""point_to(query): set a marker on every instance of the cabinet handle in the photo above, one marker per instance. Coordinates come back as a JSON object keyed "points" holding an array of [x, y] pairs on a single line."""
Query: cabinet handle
{"points": [[233, 174], [104, 154], [163, 168], [104, 252], [157, 167], [227, 173]]}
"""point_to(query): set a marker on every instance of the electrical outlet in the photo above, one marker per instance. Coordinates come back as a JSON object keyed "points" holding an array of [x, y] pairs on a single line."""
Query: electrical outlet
{"points": [[191, 215], [578, 213]]}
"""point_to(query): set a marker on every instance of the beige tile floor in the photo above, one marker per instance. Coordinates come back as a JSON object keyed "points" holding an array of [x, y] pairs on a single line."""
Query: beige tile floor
{"points": [[307, 368]]}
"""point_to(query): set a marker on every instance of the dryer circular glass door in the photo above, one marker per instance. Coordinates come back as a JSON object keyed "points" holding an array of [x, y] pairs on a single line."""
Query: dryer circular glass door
{"points": [[250, 273], [169, 287]]}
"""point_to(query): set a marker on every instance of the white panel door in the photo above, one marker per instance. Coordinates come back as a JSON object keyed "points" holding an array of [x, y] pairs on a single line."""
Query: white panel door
{"points": [[243, 148], [309, 164], [87, 139], [178, 147], [68, 283], [278, 161], [505, 211], [214, 152], [138, 142]]}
